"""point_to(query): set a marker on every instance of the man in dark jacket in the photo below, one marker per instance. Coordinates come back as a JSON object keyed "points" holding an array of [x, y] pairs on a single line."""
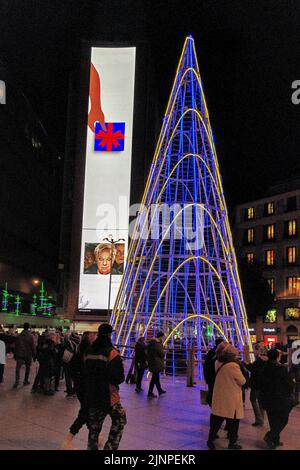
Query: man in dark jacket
{"points": [[140, 361], [209, 369], [156, 360], [104, 373], [277, 389], [24, 352], [257, 370]]}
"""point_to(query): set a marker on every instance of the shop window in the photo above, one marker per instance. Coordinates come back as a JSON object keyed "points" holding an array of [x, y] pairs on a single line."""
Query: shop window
{"points": [[270, 257], [291, 255]]}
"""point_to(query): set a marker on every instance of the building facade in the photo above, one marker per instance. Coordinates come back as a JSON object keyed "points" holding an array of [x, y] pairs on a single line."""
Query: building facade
{"points": [[267, 233], [30, 198]]}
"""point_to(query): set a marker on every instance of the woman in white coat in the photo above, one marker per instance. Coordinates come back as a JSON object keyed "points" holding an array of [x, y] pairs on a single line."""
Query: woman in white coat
{"points": [[227, 401], [2, 359]]}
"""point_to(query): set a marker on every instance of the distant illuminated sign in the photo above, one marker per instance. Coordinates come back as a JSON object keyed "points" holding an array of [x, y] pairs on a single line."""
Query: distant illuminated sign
{"points": [[270, 340], [292, 313], [2, 92], [271, 316]]}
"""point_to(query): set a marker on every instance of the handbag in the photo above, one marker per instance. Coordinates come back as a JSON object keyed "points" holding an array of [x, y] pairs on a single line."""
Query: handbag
{"points": [[206, 395], [203, 397]]}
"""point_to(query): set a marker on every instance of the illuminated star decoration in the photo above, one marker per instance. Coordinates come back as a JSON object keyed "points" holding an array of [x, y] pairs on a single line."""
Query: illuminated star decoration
{"points": [[111, 140]]}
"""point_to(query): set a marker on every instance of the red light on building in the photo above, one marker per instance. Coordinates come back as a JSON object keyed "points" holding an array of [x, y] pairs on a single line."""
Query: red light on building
{"points": [[270, 340]]}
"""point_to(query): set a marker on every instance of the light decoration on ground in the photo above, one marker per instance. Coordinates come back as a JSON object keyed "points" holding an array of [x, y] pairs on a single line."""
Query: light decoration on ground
{"points": [[17, 305], [5, 298], [34, 305], [170, 284]]}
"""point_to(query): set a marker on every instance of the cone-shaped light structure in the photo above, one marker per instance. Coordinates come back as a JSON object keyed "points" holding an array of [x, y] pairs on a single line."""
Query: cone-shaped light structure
{"points": [[181, 274]]}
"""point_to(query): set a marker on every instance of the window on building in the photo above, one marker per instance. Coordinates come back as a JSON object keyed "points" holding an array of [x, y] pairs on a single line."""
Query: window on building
{"points": [[291, 255], [271, 283], [250, 258], [291, 203], [269, 208], [292, 284], [271, 316], [292, 313], [270, 257], [291, 228], [249, 215], [269, 232], [250, 235]]}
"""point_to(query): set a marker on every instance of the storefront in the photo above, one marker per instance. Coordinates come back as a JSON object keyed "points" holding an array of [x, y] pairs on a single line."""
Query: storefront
{"points": [[270, 337], [253, 337], [292, 334]]}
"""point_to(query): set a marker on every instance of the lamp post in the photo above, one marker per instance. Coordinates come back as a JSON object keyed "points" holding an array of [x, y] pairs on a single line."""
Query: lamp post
{"points": [[112, 242]]}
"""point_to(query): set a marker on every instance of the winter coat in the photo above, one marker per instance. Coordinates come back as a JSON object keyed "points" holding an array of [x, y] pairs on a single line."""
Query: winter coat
{"points": [[256, 370], [48, 358], [209, 367], [140, 354], [156, 356], [2, 352], [277, 387], [24, 346], [227, 398], [103, 373]]}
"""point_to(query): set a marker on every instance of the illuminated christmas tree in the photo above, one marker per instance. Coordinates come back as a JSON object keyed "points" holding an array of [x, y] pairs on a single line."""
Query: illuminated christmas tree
{"points": [[174, 281]]}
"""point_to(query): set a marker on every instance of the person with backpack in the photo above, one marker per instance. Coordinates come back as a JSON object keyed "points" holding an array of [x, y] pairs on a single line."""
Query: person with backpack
{"points": [[38, 384], [256, 370], [140, 358], [77, 372], [227, 401], [70, 348], [49, 360], [104, 372], [156, 362]]}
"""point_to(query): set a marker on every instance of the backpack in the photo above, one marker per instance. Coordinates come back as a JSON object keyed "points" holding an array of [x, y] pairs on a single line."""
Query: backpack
{"points": [[67, 356]]}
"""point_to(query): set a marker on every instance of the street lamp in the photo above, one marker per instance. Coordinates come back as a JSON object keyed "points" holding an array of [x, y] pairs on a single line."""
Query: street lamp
{"points": [[112, 242]]}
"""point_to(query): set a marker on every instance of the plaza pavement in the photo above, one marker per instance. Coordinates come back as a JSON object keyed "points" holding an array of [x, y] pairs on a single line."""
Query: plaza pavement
{"points": [[175, 421]]}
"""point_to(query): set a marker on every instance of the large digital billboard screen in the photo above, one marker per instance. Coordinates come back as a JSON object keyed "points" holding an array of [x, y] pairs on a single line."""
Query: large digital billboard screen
{"points": [[107, 176]]}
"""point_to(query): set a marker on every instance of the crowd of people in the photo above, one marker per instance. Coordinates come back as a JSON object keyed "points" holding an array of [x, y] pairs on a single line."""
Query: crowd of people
{"points": [[93, 370], [274, 390]]}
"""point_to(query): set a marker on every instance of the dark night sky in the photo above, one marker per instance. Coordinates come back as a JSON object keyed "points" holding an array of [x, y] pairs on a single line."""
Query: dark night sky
{"points": [[248, 54]]}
